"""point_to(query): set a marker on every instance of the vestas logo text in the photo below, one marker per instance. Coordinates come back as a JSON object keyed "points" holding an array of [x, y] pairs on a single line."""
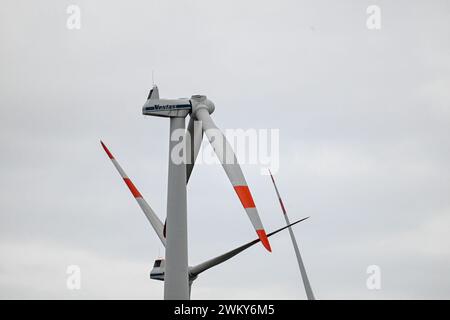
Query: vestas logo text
{"points": [[158, 107], [166, 107]]}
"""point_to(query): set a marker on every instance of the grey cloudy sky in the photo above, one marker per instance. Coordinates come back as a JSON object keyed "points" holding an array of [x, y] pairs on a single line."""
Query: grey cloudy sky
{"points": [[364, 119]]}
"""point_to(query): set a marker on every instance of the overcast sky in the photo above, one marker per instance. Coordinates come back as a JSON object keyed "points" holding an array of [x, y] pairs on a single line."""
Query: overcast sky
{"points": [[364, 120]]}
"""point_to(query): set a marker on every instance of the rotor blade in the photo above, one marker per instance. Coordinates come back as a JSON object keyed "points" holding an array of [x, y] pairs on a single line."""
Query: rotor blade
{"points": [[193, 143], [149, 213], [308, 289], [196, 270], [233, 171]]}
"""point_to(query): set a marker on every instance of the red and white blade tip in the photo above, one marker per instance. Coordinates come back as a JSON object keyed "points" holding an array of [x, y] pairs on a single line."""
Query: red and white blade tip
{"points": [[264, 240], [106, 150], [247, 202]]}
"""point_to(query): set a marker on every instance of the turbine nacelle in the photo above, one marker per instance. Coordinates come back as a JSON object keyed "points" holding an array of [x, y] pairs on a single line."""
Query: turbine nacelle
{"points": [[169, 108], [175, 108]]}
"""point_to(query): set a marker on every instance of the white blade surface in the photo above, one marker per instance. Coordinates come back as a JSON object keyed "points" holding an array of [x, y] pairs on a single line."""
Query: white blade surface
{"points": [[229, 162]]}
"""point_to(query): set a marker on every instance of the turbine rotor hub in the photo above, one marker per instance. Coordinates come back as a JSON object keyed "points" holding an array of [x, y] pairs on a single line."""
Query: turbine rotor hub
{"points": [[201, 102]]}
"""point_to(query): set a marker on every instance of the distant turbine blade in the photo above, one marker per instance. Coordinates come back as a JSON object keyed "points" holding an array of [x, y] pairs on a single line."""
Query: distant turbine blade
{"points": [[149, 213], [233, 171], [196, 270], [308, 289], [193, 142]]}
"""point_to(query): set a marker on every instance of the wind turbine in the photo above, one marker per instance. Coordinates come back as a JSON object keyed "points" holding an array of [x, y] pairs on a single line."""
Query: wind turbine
{"points": [[159, 269], [308, 289], [176, 282]]}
